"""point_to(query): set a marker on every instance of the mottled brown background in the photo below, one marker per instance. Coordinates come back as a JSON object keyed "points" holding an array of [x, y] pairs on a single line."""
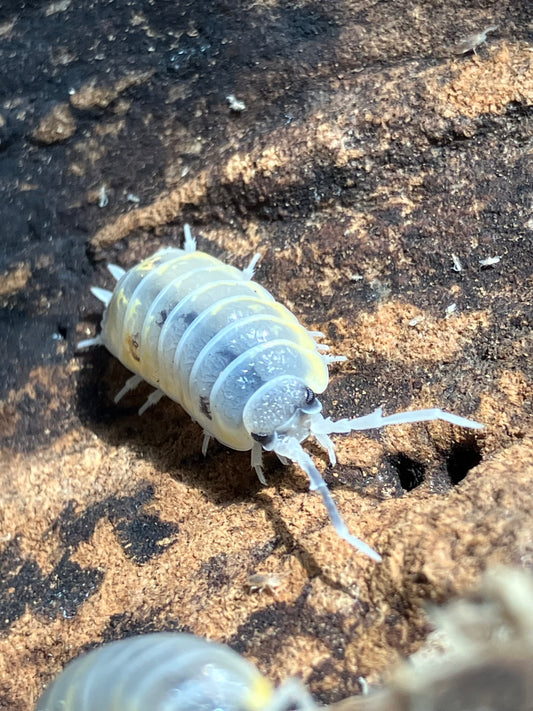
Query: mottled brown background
{"points": [[369, 152]]}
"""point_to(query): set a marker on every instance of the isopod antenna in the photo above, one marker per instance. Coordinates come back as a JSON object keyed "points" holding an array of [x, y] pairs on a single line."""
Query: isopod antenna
{"points": [[291, 448]]}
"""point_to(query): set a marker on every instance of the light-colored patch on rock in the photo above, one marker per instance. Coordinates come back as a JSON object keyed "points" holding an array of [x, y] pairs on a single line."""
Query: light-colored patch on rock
{"points": [[94, 96], [487, 85], [14, 279], [57, 126]]}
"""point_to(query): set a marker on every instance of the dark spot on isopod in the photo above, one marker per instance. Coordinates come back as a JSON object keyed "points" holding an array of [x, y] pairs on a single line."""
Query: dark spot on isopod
{"points": [[133, 345], [189, 318], [163, 317], [205, 408]]}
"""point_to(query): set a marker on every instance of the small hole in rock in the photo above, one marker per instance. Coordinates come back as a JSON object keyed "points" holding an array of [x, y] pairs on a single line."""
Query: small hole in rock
{"points": [[410, 472], [461, 458]]}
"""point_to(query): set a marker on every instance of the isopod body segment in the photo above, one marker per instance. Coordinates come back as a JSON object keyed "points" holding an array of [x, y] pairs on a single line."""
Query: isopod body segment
{"points": [[208, 337], [243, 367], [168, 671]]}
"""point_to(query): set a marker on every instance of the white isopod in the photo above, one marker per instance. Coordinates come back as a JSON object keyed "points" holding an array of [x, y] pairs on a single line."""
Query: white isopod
{"points": [[240, 363], [168, 671]]}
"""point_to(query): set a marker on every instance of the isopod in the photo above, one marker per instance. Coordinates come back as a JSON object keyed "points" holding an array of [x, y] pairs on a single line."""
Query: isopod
{"points": [[168, 671], [243, 367], [264, 581]]}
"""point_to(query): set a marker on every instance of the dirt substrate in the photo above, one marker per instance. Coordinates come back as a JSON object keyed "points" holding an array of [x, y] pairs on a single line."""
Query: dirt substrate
{"points": [[386, 178]]}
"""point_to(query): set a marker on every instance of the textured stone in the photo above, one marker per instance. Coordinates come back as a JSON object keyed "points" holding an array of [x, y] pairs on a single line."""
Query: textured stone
{"points": [[59, 125]]}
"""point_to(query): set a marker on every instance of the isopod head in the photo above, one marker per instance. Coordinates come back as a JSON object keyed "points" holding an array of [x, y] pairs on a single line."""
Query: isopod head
{"points": [[282, 407]]}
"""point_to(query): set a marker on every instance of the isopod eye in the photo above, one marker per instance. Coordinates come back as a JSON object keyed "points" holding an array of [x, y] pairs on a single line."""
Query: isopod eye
{"points": [[311, 404], [261, 438]]}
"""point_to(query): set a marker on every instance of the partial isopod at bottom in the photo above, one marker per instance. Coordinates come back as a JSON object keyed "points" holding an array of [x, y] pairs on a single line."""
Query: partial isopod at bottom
{"points": [[168, 671], [243, 367]]}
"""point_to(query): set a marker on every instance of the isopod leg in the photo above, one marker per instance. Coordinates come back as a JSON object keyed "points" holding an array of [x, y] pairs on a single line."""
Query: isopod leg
{"points": [[102, 295], [249, 271], [190, 242], [336, 519], [116, 271], [333, 358], [257, 462], [326, 443], [130, 384], [88, 342], [324, 349], [205, 442], [290, 447], [152, 399]]}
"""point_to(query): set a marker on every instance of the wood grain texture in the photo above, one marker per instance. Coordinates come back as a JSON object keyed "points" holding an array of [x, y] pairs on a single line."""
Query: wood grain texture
{"points": [[368, 154]]}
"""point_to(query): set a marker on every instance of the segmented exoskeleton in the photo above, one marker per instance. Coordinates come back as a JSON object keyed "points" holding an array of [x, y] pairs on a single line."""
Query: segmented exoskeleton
{"points": [[168, 671], [240, 363]]}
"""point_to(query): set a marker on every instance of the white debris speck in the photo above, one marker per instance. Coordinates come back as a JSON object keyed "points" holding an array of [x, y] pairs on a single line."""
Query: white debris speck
{"points": [[415, 321], [451, 309], [103, 198], [130, 197], [59, 6], [356, 277], [489, 261], [457, 266], [235, 104]]}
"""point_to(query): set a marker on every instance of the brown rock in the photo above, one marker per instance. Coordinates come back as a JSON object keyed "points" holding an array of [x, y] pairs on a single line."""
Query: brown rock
{"points": [[57, 126], [92, 95]]}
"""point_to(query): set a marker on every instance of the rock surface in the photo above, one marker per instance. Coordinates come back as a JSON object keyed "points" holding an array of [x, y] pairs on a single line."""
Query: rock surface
{"points": [[374, 168]]}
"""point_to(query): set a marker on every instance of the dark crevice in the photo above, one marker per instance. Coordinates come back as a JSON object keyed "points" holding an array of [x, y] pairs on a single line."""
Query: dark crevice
{"points": [[62, 329], [410, 472], [461, 458]]}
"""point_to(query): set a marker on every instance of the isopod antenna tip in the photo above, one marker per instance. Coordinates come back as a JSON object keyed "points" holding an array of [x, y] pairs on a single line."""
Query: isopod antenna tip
{"points": [[291, 448]]}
